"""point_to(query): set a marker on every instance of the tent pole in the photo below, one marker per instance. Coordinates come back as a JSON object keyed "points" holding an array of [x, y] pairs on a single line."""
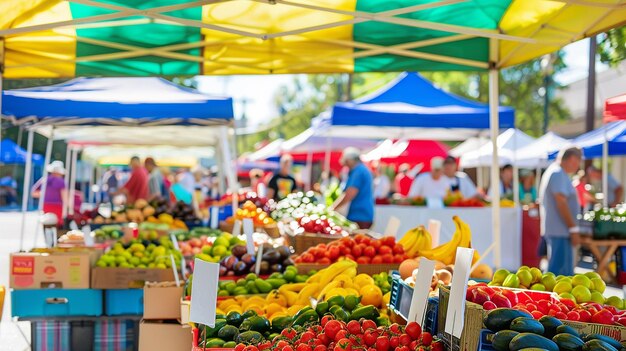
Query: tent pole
{"points": [[327, 160], [1, 87], [72, 190], [495, 176], [91, 181], [44, 184], [26, 186], [68, 155], [605, 171], [515, 172], [99, 182], [309, 169]]}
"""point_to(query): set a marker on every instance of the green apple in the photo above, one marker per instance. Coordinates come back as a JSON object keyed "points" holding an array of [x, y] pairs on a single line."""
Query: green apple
{"points": [[562, 287], [511, 281], [597, 297], [581, 293], [500, 275], [616, 302], [536, 272], [525, 277], [524, 268], [592, 275], [568, 296], [598, 284], [581, 280], [538, 287], [548, 281]]}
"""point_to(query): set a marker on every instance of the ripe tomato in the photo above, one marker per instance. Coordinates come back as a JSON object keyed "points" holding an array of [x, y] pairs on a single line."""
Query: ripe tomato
{"points": [[320, 348], [357, 251], [398, 249], [347, 242], [436, 346], [370, 338], [343, 345], [394, 342], [324, 339], [265, 346], [332, 328], [307, 258], [306, 336], [345, 250], [289, 333], [286, 348], [366, 241], [333, 253], [368, 324], [251, 348], [304, 347], [413, 330], [427, 339], [363, 260], [382, 343], [398, 258], [349, 257], [342, 334], [389, 241], [376, 244], [324, 260], [281, 344], [359, 238], [354, 327], [387, 258], [377, 259], [369, 251], [395, 329], [326, 319], [405, 339], [384, 249]]}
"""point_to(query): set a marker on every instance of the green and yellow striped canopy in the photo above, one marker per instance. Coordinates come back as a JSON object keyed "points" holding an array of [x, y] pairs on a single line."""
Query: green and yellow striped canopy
{"points": [[51, 38]]}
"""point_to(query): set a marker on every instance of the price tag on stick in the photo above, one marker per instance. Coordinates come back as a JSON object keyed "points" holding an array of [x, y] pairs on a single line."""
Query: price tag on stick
{"points": [[174, 241], [174, 269], [419, 300], [87, 235], [204, 292], [259, 258], [215, 216], [248, 230], [434, 228], [236, 228], [456, 305], [392, 227]]}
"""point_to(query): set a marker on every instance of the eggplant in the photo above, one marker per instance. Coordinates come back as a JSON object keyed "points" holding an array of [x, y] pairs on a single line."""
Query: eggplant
{"points": [[271, 257], [248, 259], [239, 250], [288, 262], [284, 252], [229, 262], [241, 268]]}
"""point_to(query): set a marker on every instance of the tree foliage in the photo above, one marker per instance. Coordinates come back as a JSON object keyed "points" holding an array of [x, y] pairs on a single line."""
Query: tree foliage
{"points": [[612, 46]]}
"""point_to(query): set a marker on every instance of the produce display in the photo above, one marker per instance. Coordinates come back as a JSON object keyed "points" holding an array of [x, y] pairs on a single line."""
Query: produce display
{"points": [[361, 248], [141, 254], [211, 249], [156, 211], [112, 231], [252, 284], [516, 330], [240, 262], [311, 216], [252, 211]]}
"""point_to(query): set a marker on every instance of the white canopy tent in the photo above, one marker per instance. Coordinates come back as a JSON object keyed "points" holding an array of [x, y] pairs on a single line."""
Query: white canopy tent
{"points": [[508, 142], [471, 144], [536, 154]]}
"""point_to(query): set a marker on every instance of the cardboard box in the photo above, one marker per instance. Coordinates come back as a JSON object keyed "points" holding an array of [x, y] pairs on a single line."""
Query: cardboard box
{"points": [[125, 278], [162, 303], [67, 270], [185, 311], [164, 336]]}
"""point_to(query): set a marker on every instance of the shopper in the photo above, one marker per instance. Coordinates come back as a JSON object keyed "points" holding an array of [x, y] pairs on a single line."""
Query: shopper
{"points": [[459, 181], [137, 185], [155, 179], [282, 183], [433, 184], [527, 190], [256, 182], [615, 191], [358, 191], [382, 185], [558, 210], [506, 183], [55, 199]]}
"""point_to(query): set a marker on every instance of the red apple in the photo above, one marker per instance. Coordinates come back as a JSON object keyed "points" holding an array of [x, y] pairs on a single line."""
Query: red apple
{"points": [[573, 316], [536, 314], [501, 300], [511, 295], [489, 305], [602, 317], [585, 316], [560, 315], [480, 297], [470, 295], [622, 321], [489, 290], [571, 304], [531, 307]]}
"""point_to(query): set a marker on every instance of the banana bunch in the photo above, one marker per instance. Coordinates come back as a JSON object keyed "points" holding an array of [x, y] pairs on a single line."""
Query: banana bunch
{"points": [[446, 253], [415, 241]]}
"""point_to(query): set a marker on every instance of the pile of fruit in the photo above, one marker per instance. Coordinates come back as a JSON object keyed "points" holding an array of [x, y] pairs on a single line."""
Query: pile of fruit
{"points": [[318, 225], [383, 281], [156, 212], [106, 232], [138, 255], [252, 284], [517, 330], [240, 262], [441, 276], [332, 334], [250, 210], [203, 233], [301, 205], [211, 249], [361, 248], [580, 287]]}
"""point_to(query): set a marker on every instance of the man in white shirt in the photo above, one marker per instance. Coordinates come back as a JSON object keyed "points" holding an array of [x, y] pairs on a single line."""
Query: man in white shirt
{"points": [[432, 184], [459, 181]]}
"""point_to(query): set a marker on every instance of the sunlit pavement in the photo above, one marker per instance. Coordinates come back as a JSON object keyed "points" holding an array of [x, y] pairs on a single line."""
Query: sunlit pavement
{"points": [[10, 337]]}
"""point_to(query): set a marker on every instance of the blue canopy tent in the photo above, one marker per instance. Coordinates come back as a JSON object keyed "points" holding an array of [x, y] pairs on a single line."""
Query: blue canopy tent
{"points": [[408, 106], [592, 143], [150, 111], [13, 154]]}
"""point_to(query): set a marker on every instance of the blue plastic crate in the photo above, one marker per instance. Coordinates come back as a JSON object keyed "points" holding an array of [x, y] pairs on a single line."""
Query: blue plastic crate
{"points": [[225, 212], [400, 302], [56, 302], [485, 341], [123, 302]]}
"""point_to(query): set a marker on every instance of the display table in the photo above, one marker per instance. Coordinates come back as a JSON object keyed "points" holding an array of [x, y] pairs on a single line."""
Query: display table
{"points": [[603, 251], [479, 220]]}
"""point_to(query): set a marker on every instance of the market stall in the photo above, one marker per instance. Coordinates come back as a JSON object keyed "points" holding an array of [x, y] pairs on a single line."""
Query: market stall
{"points": [[413, 152]]}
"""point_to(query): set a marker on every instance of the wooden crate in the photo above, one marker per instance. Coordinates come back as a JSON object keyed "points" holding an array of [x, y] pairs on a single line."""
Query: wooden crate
{"points": [[369, 269], [474, 315], [301, 242]]}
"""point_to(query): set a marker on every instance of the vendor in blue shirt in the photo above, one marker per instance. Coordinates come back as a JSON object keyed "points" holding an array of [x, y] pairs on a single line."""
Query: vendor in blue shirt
{"points": [[358, 190]]}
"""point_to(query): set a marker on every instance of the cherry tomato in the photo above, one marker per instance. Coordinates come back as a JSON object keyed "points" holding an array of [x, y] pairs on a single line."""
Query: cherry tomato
{"points": [[376, 244], [413, 330], [332, 328], [357, 251], [342, 334], [427, 339], [405, 339], [369, 251], [320, 348], [387, 258], [369, 338], [377, 260], [382, 343], [398, 249], [363, 260], [383, 250], [368, 324], [354, 327]]}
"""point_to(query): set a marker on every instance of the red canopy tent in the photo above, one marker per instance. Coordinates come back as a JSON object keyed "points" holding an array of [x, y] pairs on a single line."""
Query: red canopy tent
{"points": [[615, 108], [413, 152]]}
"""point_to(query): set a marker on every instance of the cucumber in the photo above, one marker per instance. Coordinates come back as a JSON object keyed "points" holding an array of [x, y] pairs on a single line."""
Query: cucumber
{"points": [[367, 312], [501, 318], [616, 344], [234, 318], [229, 345], [527, 325], [280, 323], [568, 342], [214, 342], [528, 340], [598, 345], [228, 333], [212, 332], [310, 316], [249, 338], [550, 324], [255, 323], [502, 339], [567, 329]]}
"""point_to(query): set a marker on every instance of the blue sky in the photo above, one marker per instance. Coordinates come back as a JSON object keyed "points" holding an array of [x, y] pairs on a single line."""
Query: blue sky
{"points": [[259, 91]]}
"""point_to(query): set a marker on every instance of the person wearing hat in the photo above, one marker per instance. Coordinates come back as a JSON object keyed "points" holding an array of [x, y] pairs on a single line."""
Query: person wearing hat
{"points": [[431, 184], [459, 181], [358, 192], [282, 183], [55, 197]]}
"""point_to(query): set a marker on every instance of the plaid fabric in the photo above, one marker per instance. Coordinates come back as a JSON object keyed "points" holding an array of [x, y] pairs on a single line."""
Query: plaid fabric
{"points": [[114, 335], [51, 336]]}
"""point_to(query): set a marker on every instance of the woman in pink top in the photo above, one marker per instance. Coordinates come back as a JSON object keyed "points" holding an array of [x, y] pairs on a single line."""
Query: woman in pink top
{"points": [[56, 192]]}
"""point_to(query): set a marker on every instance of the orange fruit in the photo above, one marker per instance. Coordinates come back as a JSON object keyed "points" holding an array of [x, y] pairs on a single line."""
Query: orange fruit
{"points": [[371, 295]]}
